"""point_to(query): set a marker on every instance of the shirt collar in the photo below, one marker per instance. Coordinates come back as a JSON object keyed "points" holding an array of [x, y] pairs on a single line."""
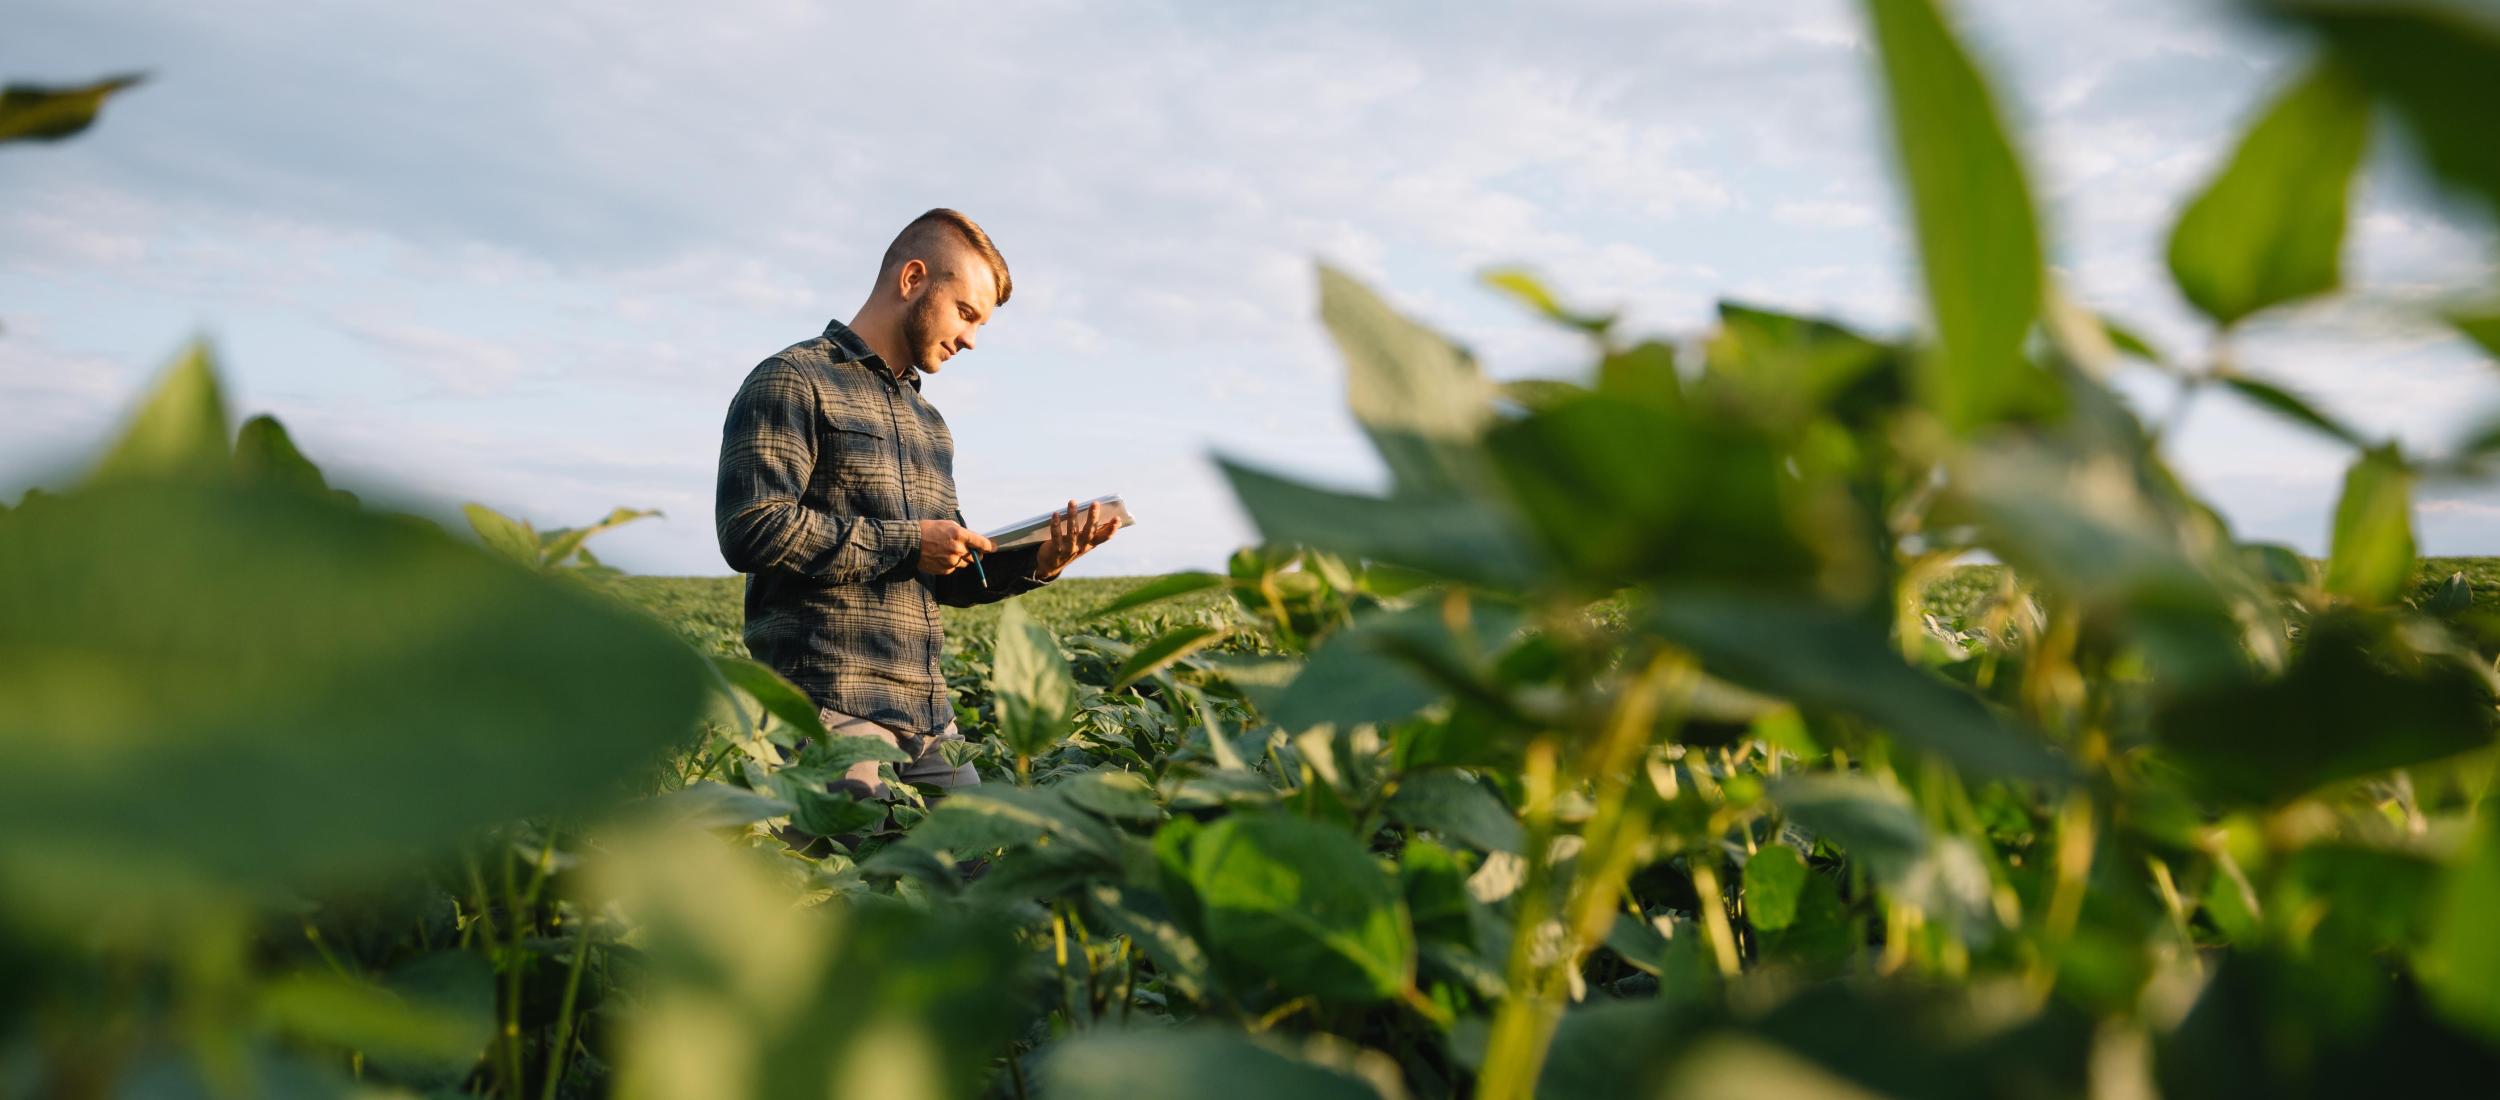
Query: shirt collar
{"points": [[850, 348]]}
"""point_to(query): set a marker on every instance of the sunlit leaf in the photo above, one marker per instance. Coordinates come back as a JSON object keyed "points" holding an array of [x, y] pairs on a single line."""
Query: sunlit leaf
{"points": [[1166, 648], [1774, 879], [1531, 291], [1164, 587], [2270, 228], [503, 534], [1418, 397], [1459, 538], [179, 428], [1977, 241], [777, 696], [30, 112], [1036, 695], [1301, 905]]}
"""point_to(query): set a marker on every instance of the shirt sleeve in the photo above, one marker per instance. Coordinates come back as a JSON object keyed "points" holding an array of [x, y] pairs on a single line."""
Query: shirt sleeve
{"points": [[767, 459], [1008, 572]]}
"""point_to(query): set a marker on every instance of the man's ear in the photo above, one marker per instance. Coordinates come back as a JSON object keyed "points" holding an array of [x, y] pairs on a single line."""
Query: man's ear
{"points": [[911, 278]]}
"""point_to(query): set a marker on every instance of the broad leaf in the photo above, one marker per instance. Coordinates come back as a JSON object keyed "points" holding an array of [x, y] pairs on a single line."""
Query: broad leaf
{"points": [[2371, 553], [263, 452], [1164, 587], [1459, 538], [30, 112], [2438, 64], [1036, 694], [1301, 905], [2291, 407], [777, 696], [2270, 228], [1774, 879], [1977, 241], [503, 534], [1159, 654], [179, 429], [1419, 398], [1820, 657], [1457, 807]]}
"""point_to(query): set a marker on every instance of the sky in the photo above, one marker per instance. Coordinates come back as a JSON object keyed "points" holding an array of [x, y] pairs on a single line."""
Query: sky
{"points": [[523, 254]]}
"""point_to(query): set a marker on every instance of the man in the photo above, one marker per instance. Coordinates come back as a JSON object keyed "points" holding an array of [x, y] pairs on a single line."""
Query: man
{"points": [[837, 497]]}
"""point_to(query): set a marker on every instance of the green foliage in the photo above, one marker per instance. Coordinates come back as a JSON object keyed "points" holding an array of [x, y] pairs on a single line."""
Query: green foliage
{"points": [[30, 112], [2270, 228]]}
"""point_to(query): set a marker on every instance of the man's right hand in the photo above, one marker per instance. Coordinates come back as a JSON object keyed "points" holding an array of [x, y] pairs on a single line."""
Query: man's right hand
{"points": [[946, 546]]}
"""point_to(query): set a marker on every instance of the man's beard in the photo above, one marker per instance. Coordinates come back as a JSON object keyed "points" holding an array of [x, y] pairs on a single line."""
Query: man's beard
{"points": [[919, 329]]}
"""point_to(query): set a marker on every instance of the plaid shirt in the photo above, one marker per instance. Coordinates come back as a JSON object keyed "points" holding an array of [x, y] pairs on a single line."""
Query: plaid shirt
{"points": [[827, 465]]}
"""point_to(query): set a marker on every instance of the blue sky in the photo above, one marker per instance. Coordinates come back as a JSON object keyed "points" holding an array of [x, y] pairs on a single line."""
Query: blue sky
{"points": [[523, 254]]}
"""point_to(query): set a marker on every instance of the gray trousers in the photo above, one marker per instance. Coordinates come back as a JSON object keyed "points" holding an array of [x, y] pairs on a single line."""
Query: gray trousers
{"points": [[927, 766]]}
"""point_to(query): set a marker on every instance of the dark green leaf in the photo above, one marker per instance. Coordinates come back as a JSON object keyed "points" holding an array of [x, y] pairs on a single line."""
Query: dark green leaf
{"points": [[1157, 655], [1978, 243], [2483, 329], [263, 452], [245, 681], [1774, 879], [2464, 948], [777, 696], [2371, 555], [438, 1013], [827, 813], [1161, 588], [1459, 808], [31, 112], [708, 805], [1820, 657], [2291, 407], [1369, 672], [1112, 794], [2270, 228], [1146, 921], [1301, 905], [2357, 700], [2438, 64], [1460, 538]]}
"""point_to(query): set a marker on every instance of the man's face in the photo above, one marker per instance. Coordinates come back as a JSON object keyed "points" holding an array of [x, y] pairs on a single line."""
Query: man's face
{"points": [[948, 312]]}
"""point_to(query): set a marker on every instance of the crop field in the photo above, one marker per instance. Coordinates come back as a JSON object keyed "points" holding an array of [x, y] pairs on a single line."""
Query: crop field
{"points": [[1648, 737]]}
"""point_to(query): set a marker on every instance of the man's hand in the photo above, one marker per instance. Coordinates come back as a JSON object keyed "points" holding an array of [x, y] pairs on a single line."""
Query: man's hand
{"points": [[1071, 535], [946, 546]]}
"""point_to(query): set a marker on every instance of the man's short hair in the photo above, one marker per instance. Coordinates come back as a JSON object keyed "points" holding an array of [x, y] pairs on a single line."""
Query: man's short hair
{"points": [[932, 231]]}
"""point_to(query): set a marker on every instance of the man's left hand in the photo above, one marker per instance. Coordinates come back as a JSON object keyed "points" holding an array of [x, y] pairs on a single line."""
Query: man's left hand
{"points": [[1071, 535]]}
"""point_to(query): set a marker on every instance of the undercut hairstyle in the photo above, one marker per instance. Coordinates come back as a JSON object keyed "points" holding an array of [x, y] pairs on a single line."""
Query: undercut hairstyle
{"points": [[927, 234]]}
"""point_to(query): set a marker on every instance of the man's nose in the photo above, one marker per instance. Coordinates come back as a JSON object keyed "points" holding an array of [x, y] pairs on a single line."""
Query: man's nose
{"points": [[964, 342]]}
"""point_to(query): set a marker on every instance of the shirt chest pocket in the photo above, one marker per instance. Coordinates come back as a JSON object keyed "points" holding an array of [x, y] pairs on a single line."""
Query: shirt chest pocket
{"points": [[860, 455]]}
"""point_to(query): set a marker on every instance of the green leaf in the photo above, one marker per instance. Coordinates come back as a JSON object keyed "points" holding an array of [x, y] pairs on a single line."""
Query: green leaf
{"points": [[2270, 228], [1159, 654], [1799, 366], [1458, 538], [2284, 403], [1978, 243], [990, 816], [1526, 288], [2357, 700], [835, 753], [705, 804], [1774, 879], [30, 112], [1113, 794], [1817, 656], [827, 813], [263, 452], [179, 428], [1301, 905], [2437, 64], [1205, 1063], [1876, 827], [2454, 595], [1146, 921], [2128, 341], [241, 682], [779, 697], [2483, 329], [565, 543], [1164, 587], [1376, 669], [2371, 553], [1457, 807], [1418, 397], [441, 1015], [2464, 948], [503, 534], [1029, 677]]}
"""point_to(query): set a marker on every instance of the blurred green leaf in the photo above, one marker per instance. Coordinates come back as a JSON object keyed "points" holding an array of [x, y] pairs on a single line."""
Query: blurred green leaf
{"points": [[1036, 694], [437, 1013], [244, 681], [1820, 657], [705, 804], [2357, 700], [1204, 1063], [1459, 808], [1113, 794], [2463, 953], [2437, 63], [1526, 288], [1418, 397], [2291, 407], [1622, 492], [1774, 879], [2270, 228], [1801, 366], [503, 534], [2371, 553], [263, 452], [1161, 588], [179, 428], [1458, 538], [1978, 243], [2129, 341], [777, 696], [1166, 648], [831, 813], [1142, 916], [30, 112], [565, 542], [1301, 905], [1378, 668], [2483, 329]]}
